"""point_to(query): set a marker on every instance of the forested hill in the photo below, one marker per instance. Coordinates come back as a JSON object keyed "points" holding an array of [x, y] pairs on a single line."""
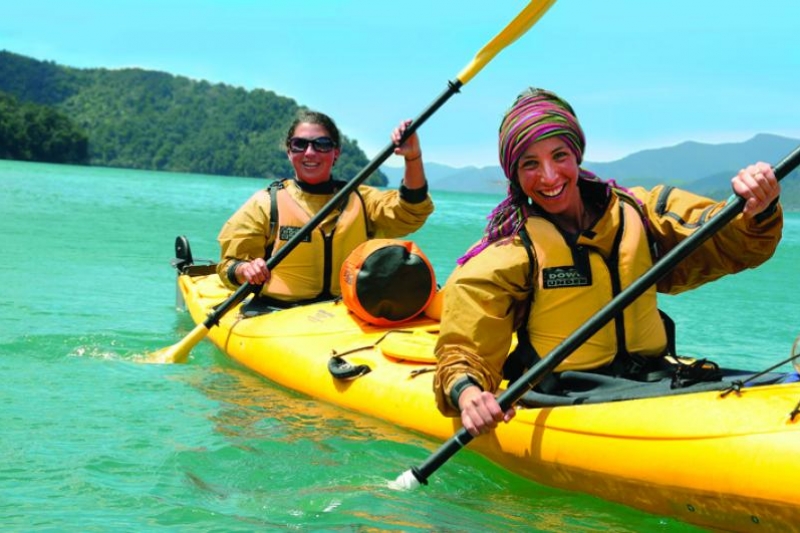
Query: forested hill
{"points": [[135, 118]]}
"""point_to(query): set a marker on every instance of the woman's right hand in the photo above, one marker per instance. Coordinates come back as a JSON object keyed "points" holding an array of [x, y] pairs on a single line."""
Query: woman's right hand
{"points": [[759, 187], [254, 272], [410, 149], [480, 412]]}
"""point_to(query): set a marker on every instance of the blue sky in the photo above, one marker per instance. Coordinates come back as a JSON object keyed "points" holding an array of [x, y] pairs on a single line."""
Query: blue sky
{"points": [[640, 74]]}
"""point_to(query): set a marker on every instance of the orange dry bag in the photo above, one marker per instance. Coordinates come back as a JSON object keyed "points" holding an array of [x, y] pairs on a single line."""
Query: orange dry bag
{"points": [[387, 281]]}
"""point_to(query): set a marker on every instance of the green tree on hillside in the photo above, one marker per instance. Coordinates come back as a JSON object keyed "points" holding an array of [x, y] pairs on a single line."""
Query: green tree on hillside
{"points": [[31, 132]]}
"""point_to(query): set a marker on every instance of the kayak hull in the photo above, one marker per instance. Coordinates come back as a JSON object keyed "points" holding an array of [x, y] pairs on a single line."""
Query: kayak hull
{"points": [[723, 461]]}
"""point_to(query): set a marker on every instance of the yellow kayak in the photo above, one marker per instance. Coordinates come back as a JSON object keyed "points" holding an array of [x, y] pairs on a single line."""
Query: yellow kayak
{"points": [[722, 460]]}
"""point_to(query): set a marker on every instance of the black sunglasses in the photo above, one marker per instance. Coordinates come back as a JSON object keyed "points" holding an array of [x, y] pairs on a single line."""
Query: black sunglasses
{"points": [[299, 145]]}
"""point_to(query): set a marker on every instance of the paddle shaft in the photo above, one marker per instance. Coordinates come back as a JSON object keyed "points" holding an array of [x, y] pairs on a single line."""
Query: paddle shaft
{"points": [[533, 376]]}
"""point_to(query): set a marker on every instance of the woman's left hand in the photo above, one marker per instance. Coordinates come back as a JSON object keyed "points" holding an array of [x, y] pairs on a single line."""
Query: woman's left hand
{"points": [[759, 187]]}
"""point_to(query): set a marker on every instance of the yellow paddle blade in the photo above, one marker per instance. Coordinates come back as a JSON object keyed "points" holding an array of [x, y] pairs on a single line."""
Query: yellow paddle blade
{"points": [[517, 27], [179, 352]]}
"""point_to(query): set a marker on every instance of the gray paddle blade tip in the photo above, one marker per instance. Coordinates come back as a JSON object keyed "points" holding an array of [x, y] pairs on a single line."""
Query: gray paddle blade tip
{"points": [[405, 481]]}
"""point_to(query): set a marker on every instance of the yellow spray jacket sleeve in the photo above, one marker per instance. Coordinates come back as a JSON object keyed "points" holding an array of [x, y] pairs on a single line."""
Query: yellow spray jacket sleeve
{"points": [[244, 236], [483, 301], [675, 214], [390, 215]]}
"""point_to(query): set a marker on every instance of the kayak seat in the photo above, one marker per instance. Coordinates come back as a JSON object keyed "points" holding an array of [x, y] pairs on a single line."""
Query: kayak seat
{"points": [[184, 262], [260, 304], [579, 387]]}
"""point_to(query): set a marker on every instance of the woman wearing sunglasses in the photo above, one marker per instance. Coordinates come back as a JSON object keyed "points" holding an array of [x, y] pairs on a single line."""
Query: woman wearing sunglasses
{"points": [[310, 272]]}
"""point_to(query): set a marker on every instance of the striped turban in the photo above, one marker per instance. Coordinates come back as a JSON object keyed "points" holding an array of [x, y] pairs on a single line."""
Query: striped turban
{"points": [[536, 115]]}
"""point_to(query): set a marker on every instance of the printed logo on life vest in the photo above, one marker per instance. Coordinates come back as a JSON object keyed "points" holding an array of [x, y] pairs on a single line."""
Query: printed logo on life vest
{"points": [[566, 276], [287, 232]]}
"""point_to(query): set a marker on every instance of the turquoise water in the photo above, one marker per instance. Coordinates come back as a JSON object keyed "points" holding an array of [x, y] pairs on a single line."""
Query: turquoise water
{"points": [[93, 441]]}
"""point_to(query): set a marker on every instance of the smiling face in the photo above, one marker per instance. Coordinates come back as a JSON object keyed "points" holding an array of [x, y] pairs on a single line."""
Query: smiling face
{"points": [[548, 175], [311, 166]]}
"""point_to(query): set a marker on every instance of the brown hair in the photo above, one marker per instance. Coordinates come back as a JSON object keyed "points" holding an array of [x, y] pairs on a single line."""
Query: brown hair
{"points": [[315, 117]]}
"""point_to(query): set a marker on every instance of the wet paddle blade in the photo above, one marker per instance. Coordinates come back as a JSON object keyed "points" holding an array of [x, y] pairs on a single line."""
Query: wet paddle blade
{"points": [[405, 481], [179, 352]]}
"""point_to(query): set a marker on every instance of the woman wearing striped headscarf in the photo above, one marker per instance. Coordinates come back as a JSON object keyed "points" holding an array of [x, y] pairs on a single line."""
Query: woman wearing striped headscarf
{"points": [[561, 245]]}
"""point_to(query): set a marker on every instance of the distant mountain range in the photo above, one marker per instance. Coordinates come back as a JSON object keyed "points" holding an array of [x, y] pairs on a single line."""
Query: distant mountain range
{"points": [[701, 168], [134, 118]]}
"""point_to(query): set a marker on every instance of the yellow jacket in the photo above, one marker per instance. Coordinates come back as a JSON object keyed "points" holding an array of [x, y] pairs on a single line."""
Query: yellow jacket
{"points": [[246, 235], [484, 299]]}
